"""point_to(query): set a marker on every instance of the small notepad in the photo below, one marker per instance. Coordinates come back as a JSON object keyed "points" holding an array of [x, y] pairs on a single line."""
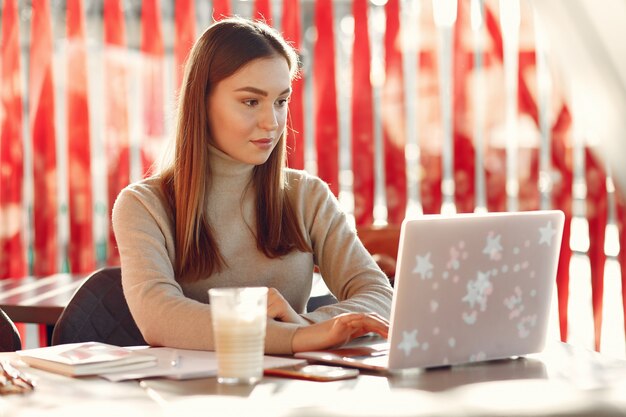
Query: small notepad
{"points": [[88, 358]]}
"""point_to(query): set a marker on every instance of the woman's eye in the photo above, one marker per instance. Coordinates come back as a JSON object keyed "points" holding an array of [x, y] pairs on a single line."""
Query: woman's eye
{"points": [[251, 102], [282, 102]]}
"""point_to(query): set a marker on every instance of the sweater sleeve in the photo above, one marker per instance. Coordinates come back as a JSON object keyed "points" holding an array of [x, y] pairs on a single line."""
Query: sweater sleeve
{"points": [[164, 315], [346, 266]]}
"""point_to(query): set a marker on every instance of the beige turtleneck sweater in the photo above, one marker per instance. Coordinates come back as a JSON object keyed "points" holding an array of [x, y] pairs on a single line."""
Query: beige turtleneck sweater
{"points": [[169, 313]]}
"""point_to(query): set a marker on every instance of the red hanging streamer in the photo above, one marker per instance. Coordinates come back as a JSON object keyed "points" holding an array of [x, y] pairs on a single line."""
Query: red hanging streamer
{"points": [[496, 179], [221, 9], [463, 148], [325, 96], [116, 131], [263, 11], [597, 203], [362, 119], [153, 53], [12, 261], [185, 35], [621, 257], [295, 131], [41, 91], [81, 245], [561, 159], [394, 114]]}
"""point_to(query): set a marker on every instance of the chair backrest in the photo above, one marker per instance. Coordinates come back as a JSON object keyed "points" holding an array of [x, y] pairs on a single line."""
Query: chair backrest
{"points": [[382, 243], [98, 312], [10, 340]]}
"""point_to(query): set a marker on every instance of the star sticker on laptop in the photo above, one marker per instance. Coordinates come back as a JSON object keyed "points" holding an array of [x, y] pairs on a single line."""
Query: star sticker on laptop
{"points": [[547, 233], [423, 267], [409, 342], [493, 246], [478, 290]]}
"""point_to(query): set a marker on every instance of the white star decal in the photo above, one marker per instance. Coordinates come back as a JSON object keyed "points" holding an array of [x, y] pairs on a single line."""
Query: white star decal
{"points": [[423, 266], [547, 233], [478, 290], [409, 342], [493, 246]]}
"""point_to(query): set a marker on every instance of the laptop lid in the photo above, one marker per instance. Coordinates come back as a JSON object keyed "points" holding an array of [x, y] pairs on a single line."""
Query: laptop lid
{"points": [[473, 287]]}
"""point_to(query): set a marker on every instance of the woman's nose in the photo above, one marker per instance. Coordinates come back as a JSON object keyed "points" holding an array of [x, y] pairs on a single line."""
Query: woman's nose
{"points": [[269, 120]]}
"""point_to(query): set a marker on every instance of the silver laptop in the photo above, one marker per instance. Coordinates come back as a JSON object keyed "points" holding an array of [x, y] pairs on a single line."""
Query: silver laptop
{"points": [[468, 288]]}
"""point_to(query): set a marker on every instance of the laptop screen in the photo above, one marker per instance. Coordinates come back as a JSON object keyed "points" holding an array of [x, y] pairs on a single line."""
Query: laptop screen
{"points": [[473, 287]]}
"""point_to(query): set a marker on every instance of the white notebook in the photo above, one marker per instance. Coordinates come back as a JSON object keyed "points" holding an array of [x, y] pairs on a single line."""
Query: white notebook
{"points": [[117, 363], [88, 358], [182, 364], [468, 288]]}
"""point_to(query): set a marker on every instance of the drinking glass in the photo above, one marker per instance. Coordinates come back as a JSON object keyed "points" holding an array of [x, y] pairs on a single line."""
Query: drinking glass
{"points": [[239, 316]]}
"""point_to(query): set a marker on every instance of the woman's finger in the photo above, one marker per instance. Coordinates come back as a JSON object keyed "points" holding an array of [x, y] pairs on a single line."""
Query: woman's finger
{"points": [[369, 323], [371, 319]]}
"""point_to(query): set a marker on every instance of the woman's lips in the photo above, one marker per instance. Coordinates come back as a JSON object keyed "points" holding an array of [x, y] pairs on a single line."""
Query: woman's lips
{"points": [[263, 143]]}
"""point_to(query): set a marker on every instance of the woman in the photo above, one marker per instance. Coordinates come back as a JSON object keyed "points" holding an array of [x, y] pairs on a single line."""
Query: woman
{"points": [[226, 211]]}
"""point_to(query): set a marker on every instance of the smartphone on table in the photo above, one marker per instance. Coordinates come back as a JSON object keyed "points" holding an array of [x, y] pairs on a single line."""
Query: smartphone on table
{"points": [[313, 372]]}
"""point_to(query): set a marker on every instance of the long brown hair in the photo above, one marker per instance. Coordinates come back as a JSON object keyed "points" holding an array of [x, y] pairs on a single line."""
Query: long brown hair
{"points": [[224, 48]]}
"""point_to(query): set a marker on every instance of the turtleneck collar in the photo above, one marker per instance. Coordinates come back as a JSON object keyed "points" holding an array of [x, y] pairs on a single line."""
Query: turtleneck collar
{"points": [[224, 166]]}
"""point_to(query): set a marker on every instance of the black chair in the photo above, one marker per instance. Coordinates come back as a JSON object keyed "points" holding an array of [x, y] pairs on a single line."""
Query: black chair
{"points": [[98, 312], [320, 301], [10, 340]]}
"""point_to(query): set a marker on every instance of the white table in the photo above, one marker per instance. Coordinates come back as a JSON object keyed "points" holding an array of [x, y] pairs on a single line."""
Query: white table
{"points": [[562, 380]]}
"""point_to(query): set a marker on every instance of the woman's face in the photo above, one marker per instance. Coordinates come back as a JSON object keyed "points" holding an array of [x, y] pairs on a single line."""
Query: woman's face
{"points": [[247, 111]]}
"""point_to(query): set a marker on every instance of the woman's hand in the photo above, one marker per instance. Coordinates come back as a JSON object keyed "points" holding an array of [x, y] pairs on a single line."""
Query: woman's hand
{"points": [[338, 330], [280, 310]]}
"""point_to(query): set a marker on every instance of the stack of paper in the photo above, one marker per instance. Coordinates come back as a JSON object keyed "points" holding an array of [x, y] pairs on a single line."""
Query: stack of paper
{"points": [[117, 363], [187, 364], [89, 358]]}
